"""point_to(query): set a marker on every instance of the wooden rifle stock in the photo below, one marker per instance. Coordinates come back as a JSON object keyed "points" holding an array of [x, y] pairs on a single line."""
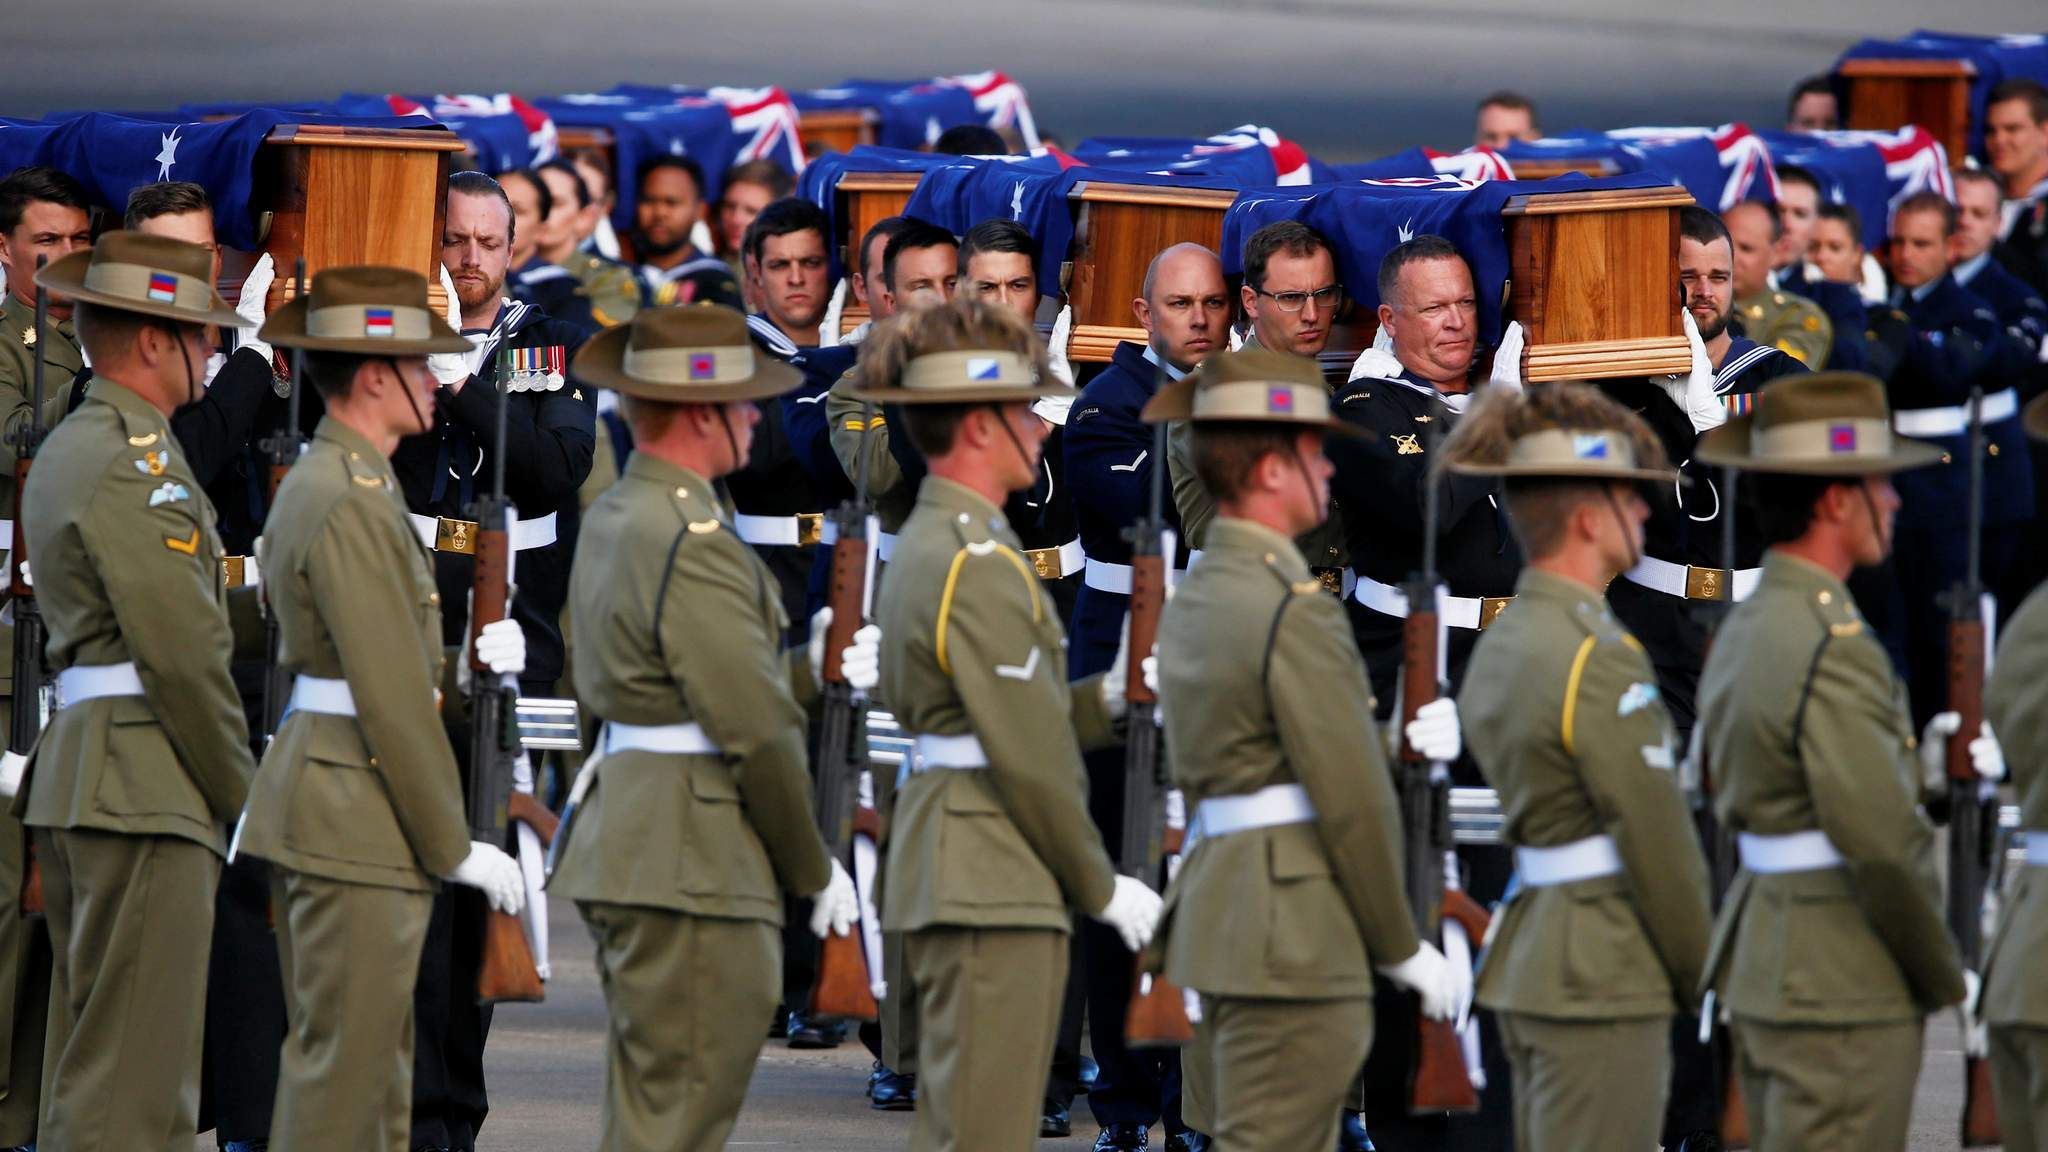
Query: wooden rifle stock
{"points": [[1972, 822], [1158, 1014]]}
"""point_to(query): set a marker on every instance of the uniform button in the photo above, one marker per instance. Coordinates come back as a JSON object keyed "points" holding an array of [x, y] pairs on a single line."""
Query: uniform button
{"points": [[1991, 448], [1826, 597], [434, 598], [1947, 459], [962, 518], [373, 761], [682, 493]]}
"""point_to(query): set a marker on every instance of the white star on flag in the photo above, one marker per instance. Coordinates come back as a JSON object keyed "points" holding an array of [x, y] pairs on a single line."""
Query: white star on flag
{"points": [[1017, 202], [167, 155], [1406, 231]]}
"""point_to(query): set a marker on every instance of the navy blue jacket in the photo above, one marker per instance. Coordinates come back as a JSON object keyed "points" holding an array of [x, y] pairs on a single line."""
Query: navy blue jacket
{"points": [[1957, 342]]}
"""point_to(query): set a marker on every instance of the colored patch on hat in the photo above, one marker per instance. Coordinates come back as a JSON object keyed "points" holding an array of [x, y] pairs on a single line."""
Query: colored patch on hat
{"points": [[1280, 400], [1841, 438], [1591, 447], [377, 322], [984, 369], [703, 365], [163, 287]]}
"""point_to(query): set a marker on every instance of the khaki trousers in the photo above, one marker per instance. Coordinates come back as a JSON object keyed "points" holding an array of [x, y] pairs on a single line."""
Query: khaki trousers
{"points": [[350, 955], [899, 1011], [1279, 1070], [686, 995], [24, 992], [1587, 1083], [989, 1006], [1815, 1087], [131, 924], [2019, 1074]]}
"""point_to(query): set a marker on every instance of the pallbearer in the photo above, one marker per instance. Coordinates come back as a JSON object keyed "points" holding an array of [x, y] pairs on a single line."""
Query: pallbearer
{"points": [[1830, 947], [357, 804], [990, 845], [1290, 896], [693, 818], [1604, 941]]}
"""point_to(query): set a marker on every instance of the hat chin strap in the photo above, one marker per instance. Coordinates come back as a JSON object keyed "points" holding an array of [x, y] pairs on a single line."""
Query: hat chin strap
{"points": [[1002, 421], [731, 441], [410, 400], [1884, 544], [1635, 554]]}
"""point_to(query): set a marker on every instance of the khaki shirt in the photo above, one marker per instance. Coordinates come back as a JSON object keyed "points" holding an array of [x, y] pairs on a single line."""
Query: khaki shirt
{"points": [[613, 290], [972, 645], [846, 416], [61, 362], [1805, 725], [374, 798], [127, 569], [2016, 703], [1261, 685], [1561, 713], [1790, 323], [678, 622]]}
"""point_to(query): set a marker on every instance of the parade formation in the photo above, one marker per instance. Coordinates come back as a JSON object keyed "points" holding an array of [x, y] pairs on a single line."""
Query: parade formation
{"points": [[1537, 646]]}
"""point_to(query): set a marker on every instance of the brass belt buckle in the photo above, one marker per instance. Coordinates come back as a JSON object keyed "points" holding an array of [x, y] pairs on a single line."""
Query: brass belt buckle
{"points": [[810, 526], [1490, 608], [1332, 579], [1045, 562], [233, 571], [1707, 583], [455, 536]]}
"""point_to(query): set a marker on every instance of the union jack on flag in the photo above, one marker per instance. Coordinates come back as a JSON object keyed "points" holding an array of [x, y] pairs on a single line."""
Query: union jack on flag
{"points": [[1745, 158], [1473, 164], [765, 120], [1002, 100]]}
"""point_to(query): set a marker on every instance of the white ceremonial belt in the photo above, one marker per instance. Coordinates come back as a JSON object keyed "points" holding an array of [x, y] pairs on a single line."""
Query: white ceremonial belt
{"points": [[7, 532], [1587, 859], [318, 694], [1194, 556], [1692, 582], [2037, 848], [928, 753], [82, 682], [797, 531], [1104, 576], [678, 739], [828, 532], [1057, 563], [1269, 807], [1472, 612], [1808, 851], [885, 546], [1954, 420], [446, 534]]}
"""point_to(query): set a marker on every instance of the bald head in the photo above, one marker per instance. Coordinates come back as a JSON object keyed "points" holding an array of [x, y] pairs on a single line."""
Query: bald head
{"points": [[1753, 232], [1185, 309]]}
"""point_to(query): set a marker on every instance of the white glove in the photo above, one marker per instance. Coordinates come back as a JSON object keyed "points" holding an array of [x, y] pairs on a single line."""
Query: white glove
{"points": [[1428, 975], [1056, 347], [1976, 1035], [497, 875], [1507, 359], [860, 662], [450, 369], [1934, 746], [1458, 962], [1114, 681], [12, 764], [828, 328], [1694, 392], [1133, 910], [836, 909], [255, 292], [501, 645], [1435, 731], [1986, 756]]}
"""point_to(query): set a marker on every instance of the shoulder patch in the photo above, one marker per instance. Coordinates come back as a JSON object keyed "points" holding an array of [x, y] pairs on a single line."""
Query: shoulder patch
{"points": [[142, 441], [705, 527], [189, 545], [1635, 698]]}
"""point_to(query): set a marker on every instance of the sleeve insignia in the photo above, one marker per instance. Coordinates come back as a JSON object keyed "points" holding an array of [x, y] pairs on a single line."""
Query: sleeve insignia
{"points": [[152, 463], [142, 441], [189, 545], [1024, 671], [1639, 696], [170, 492], [28, 337], [704, 527], [1407, 445]]}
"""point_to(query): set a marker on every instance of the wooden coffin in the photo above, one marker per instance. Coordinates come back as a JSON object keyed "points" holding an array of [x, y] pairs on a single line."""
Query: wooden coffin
{"points": [[1887, 95], [836, 129], [1548, 166], [865, 199], [573, 138], [1594, 282], [339, 196]]}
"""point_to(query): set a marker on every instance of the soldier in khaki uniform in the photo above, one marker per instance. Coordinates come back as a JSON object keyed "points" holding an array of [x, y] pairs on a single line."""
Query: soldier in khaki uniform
{"points": [[131, 788], [1290, 894], [1792, 324], [1604, 940], [2015, 991], [357, 803], [990, 844], [1830, 947], [693, 816]]}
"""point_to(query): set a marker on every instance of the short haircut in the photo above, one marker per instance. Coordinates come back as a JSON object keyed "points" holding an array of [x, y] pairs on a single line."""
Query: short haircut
{"points": [[884, 230], [688, 166], [783, 217], [971, 140], [474, 183], [1844, 214], [1227, 453], [597, 160], [2022, 88], [1811, 86], [1511, 100], [540, 188], [648, 419], [333, 373], [1781, 506], [171, 198], [38, 184], [1770, 213], [998, 236], [104, 331], [576, 180], [762, 173], [913, 235], [1933, 202], [1291, 237], [1702, 227], [1419, 250], [1794, 174], [959, 325], [1964, 175]]}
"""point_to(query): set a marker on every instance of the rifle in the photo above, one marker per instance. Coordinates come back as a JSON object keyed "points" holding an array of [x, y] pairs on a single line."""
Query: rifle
{"points": [[1972, 819], [31, 673], [1157, 1016], [1720, 847], [1440, 1082], [285, 446], [844, 988], [508, 971]]}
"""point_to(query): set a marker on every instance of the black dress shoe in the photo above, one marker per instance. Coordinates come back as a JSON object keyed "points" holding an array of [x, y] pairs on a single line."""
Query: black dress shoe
{"points": [[1351, 1135], [1187, 1142], [1122, 1138], [1054, 1122], [891, 1091], [1701, 1142], [806, 1034], [1090, 1071]]}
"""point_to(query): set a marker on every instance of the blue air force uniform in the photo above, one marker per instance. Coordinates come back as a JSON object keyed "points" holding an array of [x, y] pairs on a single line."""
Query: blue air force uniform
{"points": [[2020, 309]]}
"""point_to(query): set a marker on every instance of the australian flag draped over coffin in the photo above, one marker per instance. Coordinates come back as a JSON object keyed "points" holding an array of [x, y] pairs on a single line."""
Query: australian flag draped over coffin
{"points": [[1720, 166], [822, 175], [1471, 164], [1996, 58], [1871, 172], [1365, 221], [502, 131], [1248, 154], [764, 120], [113, 155], [913, 113], [641, 131]]}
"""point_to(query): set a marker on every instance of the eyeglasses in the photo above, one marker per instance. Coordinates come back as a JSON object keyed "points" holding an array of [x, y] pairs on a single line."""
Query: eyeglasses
{"points": [[1325, 297]]}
